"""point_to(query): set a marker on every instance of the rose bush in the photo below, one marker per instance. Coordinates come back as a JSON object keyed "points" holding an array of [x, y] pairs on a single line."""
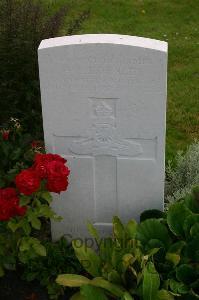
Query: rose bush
{"points": [[17, 151], [24, 207]]}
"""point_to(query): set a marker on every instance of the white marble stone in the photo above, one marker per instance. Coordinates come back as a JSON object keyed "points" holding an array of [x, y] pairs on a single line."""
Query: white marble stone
{"points": [[104, 109]]}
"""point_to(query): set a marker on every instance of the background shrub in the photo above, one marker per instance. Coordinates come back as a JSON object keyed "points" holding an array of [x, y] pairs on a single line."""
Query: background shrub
{"points": [[184, 175], [24, 23]]}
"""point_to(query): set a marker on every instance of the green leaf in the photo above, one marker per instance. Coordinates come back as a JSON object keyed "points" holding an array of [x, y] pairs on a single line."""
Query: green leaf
{"points": [[72, 280], [114, 289], [176, 216], [24, 200], [164, 295], [191, 201], [131, 229], [189, 222], [36, 223], [127, 296], [114, 277], [106, 248], [153, 251], [46, 211], [92, 292], [178, 287], [153, 229], [192, 249], [194, 229], [46, 196], [118, 229], [39, 248], [26, 226], [13, 225], [127, 260], [177, 247], [186, 273], [77, 296], [173, 257], [116, 259], [88, 258], [24, 244], [151, 282], [93, 231]]}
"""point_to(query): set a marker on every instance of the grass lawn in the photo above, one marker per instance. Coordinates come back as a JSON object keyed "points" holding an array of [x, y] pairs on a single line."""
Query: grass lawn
{"points": [[175, 21]]}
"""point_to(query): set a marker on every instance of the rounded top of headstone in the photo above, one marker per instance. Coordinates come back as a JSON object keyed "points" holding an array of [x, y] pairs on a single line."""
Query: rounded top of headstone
{"points": [[105, 39]]}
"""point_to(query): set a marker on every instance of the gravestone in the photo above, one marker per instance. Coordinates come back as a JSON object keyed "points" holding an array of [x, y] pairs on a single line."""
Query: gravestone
{"points": [[104, 108]]}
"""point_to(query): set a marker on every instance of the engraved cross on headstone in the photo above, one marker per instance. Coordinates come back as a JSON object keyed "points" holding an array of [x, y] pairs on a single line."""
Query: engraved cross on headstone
{"points": [[103, 145]]}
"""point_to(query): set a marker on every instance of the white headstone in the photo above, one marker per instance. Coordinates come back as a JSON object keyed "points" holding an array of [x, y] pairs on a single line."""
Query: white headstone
{"points": [[104, 108]]}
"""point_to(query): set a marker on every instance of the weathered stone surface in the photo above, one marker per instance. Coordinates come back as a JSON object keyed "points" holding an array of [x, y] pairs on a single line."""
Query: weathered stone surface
{"points": [[104, 108]]}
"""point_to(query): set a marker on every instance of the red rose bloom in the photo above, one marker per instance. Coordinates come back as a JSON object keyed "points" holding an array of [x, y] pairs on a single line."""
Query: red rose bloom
{"points": [[57, 185], [27, 182], [9, 204], [56, 168], [8, 193], [52, 168], [57, 176], [20, 210], [5, 210], [5, 134], [42, 160]]}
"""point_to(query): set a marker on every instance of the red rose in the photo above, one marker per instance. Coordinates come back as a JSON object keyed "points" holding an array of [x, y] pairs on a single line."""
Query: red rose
{"points": [[42, 160], [8, 193], [57, 176], [5, 134], [57, 168], [27, 182], [20, 210], [5, 210], [9, 204], [57, 185]]}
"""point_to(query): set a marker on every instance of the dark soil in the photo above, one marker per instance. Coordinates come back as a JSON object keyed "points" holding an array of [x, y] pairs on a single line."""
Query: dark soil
{"points": [[12, 287]]}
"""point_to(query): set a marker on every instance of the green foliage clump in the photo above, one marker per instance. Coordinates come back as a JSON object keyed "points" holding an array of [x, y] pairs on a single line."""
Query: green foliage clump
{"points": [[120, 269], [24, 23], [184, 175], [59, 258], [156, 259]]}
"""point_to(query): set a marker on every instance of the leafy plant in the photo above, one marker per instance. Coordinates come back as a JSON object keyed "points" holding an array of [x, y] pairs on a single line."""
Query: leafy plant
{"points": [[183, 221], [119, 268], [59, 258], [24, 208], [177, 261], [156, 259]]}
